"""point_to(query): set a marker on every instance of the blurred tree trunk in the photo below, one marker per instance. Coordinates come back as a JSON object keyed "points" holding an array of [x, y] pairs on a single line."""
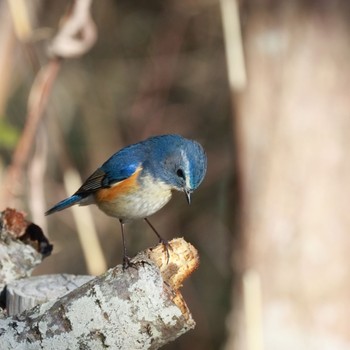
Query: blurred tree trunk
{"points": [[293, 132]]}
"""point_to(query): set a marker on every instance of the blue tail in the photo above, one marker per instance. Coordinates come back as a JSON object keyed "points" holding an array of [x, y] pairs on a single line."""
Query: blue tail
{"points": [[66, 203]]}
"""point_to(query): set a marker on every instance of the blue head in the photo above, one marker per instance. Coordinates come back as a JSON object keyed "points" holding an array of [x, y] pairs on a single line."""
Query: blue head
{"points": [[178, 162]]}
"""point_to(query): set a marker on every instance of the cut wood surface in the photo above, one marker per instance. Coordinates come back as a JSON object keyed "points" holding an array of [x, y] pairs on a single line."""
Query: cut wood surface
{"points": [[26, 293]]}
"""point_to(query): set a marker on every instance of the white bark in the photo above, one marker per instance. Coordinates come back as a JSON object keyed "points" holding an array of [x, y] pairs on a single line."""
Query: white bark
{"points": [[17, 260], [22, 246], [140, 308]]}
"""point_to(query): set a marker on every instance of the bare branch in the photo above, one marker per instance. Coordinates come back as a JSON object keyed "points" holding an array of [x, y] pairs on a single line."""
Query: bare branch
{"points": [[139, 308], [75, 38], [78, 33]]}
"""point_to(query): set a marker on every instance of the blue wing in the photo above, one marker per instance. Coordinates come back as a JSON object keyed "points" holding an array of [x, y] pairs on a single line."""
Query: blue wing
{"points": [[119, 167]]}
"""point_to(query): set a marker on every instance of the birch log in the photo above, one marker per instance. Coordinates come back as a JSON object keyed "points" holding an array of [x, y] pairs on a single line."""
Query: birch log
{"points": [[139, 308]]}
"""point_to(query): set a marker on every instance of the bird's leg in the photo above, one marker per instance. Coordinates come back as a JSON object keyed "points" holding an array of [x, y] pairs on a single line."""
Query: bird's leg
{"points": [[165, 243], [126, 260]]}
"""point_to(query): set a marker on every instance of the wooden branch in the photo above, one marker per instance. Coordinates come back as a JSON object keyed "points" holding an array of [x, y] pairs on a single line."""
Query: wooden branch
{"points": [[139, 308], [76, 36], [37, 102], [78, 33]]}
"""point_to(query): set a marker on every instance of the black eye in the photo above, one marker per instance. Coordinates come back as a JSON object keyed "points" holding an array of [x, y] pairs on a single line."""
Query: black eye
{"points": [[180, 173]]}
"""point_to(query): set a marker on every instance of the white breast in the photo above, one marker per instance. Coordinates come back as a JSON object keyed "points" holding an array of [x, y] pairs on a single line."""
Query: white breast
{"points": [[143, 202]]}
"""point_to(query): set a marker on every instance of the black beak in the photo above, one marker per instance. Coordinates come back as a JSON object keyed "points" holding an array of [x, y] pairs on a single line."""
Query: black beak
{"points": [[188, 195]]}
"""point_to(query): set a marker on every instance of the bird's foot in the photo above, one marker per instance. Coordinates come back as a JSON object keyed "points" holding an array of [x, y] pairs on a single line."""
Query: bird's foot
{"points": [[167, 246], [128, 263]]}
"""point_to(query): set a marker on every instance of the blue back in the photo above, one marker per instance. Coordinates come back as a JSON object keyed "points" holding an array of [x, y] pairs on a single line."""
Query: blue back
{"points": [[150, 154]]}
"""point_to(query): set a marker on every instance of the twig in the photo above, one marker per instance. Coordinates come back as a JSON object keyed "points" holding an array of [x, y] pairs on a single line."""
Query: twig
{"points": [[37, 102], [78, 33], [76, 37], [233, 45], [86, 230]]}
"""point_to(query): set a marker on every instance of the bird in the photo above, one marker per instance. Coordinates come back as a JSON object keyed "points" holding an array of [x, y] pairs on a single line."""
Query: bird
{"points": [[139, 179]]}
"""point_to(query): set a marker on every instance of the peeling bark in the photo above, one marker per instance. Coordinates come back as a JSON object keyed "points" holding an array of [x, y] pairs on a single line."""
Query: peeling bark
{"points": [[139, 308]]}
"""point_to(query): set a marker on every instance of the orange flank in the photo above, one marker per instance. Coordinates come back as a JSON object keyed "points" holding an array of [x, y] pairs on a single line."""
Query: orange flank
{"points": [[123, 187]]}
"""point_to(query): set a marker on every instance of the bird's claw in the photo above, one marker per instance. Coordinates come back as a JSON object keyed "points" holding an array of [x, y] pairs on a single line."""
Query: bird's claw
{"points": [[167, 246], [128, 263]]}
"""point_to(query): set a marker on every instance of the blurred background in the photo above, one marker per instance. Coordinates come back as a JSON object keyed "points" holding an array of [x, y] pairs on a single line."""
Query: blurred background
{"points": [[264, 85]]}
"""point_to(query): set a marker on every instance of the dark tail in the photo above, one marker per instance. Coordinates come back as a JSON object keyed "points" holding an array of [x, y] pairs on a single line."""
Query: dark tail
{"points": [[66, 203]]}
